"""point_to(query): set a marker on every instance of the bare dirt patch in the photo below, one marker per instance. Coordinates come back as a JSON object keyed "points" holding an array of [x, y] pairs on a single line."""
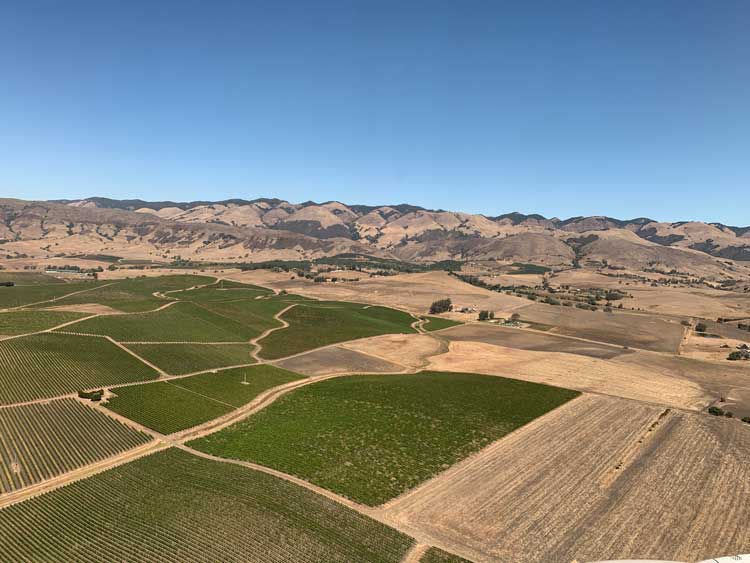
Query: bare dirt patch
{"points": [[598, 478], [574, 371], [337, 359], [406, 349]]}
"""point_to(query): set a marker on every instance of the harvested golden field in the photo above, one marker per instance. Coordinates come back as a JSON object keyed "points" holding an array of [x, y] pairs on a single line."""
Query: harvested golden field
{"points": [[574, 371], [598, 478]]}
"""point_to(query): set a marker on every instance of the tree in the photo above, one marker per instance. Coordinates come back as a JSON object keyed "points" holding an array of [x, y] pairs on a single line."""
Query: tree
{"points": [[515, 317], [441, 306], [486, 315], [701, 327]]}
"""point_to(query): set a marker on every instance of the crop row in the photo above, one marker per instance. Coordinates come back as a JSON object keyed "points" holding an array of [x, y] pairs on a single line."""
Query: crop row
{"points": [[48, 365], [40, 441], [176, 507], [171, 406], [179, 359]]}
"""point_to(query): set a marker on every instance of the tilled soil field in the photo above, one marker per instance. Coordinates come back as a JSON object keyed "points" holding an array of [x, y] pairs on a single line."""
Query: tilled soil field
{"points": [[598, 478]]}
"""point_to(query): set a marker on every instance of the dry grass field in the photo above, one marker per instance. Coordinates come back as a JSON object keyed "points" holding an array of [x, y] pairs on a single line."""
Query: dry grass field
{"points": [[598, 478], [412, 292]]}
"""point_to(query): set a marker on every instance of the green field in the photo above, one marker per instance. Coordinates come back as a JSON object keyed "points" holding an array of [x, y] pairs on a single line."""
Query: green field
{"points": [[372, 437], [171, 406], [40, 441], [439, 323], [223, 290], [255, 315], [173, 506], [136, 294], [179, 359], [181, 322], [319, 323], [22, 322], [435, 555], [19, 295], [49, 365]]}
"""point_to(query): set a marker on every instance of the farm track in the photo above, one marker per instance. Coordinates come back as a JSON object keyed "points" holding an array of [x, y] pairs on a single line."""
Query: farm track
{"points": [[58, 298], [255, 341]]}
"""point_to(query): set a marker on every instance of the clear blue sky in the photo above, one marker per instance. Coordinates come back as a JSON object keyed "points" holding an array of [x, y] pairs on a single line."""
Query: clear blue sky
{"points": [[624, 108]]}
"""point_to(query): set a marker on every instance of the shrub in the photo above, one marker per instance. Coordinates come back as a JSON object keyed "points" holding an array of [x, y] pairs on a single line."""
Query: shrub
{"points": [[91, 395], [746, 419], [728, 414], [715, 411], [441, 306], [700, 327]]}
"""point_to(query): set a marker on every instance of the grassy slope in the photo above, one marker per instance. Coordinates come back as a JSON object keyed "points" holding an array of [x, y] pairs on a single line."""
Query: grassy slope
{"points": [[181, 322], [439, 323], [21, 322], [172, 506], [371, 438], [48, 365], [169, 407], [321, 323], [179, 359]]}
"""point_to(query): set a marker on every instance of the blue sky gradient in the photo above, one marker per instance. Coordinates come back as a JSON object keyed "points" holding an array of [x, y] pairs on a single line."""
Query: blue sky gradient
{"points": [[623, 108]]}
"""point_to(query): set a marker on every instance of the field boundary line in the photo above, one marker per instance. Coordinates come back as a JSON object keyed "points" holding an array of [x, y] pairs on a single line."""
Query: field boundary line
{"points": [[158, 370], [90, 470], [61, 297], [200, 394], [388, 505], [51, 329], [256, 341]]}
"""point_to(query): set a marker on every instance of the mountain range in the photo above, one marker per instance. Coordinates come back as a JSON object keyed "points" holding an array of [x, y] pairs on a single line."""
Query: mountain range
{"points": [[268, 228]]}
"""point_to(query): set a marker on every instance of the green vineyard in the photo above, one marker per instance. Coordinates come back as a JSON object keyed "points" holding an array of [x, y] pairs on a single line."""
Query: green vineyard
{"points": [[40, 441], [171, 406], [22, 322], [181, 322], [176, 507], [372, 437], [315, 324], [179, 359], [48, 365]]}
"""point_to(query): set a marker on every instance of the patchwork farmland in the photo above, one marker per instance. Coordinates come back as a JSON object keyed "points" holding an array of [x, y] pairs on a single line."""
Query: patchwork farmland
{"points": [[293, 429]]}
